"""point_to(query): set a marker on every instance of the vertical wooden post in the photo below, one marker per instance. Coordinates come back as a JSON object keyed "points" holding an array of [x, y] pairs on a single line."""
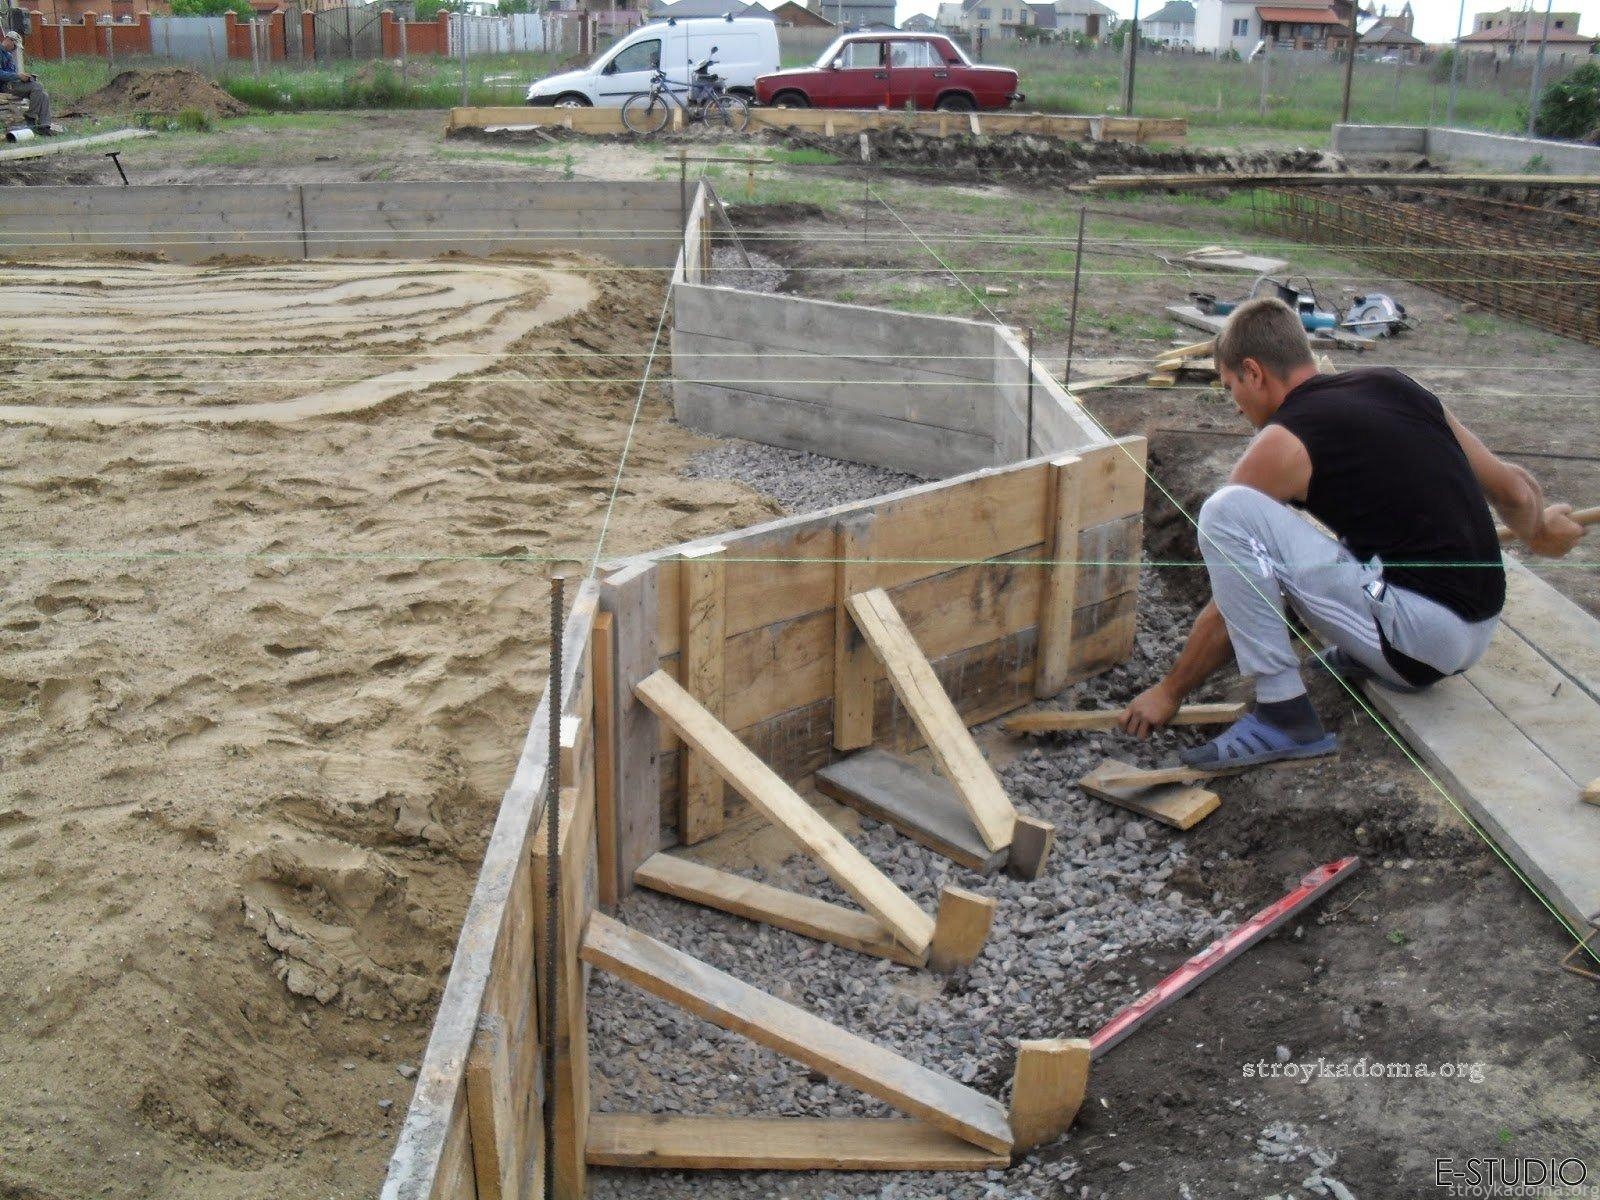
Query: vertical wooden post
{"points": [[854, 666], [605, 750], [630, 596], [702, 629], [1047, 1090], [1058, 597]]}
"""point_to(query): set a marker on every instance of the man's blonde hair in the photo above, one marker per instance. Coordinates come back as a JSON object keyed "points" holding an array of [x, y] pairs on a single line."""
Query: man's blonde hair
{"points": [[1267, 330]]}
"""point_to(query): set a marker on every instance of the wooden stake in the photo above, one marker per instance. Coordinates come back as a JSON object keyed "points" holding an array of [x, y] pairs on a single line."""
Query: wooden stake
{"points": [[1058, 598], [853, 667], [1031, 841], [605, 749], [702, 620], [961, 929], [1047, 1090]]}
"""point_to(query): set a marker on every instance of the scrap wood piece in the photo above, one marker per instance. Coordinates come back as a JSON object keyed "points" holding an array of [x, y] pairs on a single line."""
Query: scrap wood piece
{"points": [[780, 804], [1178, 805], [1124, 776], [672, 1142], [961, 929], [1312, 887], [1031, 841], [918, 803], [805, 915], [1047, 1089], [936, 718], [717, 997], [1184, 353], [1221, 258], [1053, 721]]}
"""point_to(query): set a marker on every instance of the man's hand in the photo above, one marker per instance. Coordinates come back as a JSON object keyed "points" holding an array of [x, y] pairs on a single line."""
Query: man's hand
{"points": [[1150, 710], [1556, 532]]}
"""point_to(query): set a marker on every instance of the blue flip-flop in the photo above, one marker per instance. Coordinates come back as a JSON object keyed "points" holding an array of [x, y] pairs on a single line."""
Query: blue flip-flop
{"points": [[1249, 742]]}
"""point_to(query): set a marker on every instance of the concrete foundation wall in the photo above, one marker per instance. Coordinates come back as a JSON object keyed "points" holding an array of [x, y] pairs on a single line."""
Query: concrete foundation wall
{"points": [[935, 396], [1468, 146], [634, 224]]}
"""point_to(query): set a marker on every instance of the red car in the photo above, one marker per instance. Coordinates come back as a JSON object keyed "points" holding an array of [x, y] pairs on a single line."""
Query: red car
{"points": [[873, 70]]}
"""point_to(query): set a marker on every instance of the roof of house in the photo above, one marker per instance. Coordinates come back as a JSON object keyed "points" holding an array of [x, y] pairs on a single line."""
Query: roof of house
{"points": [[1044, 15], [1176, 12], [1300, 16], [1083, 8], [1519, 33], [918, 23], [1388, 35], [696, 8]]}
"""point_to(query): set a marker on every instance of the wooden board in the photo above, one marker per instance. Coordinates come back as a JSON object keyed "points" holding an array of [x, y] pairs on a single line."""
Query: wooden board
{"points": [[702, 611], [1047, 1089], [780, 1144], [1054, 721], [779, 803], [918, 803], [853, 668], [631, 597], [605, 759], [1180, 805], [948, 738], [1220, 258], [805, 915], [961, 928], [725, 1001], [1058, 599]]}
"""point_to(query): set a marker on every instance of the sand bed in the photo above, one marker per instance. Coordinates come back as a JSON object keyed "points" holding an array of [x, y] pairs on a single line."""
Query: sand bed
{"points": [[264, 680]]}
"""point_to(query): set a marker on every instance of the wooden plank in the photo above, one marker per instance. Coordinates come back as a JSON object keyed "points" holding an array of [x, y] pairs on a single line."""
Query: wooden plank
{"points": [[1542, 702], [853, 667], [920, 805], [935, 716], [1031, 841], [1563, 632], [1178, 805], [605, 758], [702, 610], [1054, 721], [1058, 598], [491, 1111], [805, 915], [630, 596], [779, 803], [725, 1001], [961, 928], [670, 1142], [1112, 481], [1047, 1089], [1123, 776]]}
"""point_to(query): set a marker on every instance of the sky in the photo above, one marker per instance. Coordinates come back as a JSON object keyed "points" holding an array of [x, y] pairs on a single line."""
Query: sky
{"points": [[1435, 19]]}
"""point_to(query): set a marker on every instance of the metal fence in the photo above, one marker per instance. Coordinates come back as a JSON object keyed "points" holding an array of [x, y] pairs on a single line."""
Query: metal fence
{"points": [[520, 33]]}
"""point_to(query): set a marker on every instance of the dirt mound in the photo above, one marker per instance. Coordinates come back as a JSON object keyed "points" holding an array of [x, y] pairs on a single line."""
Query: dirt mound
{"points": [[166, 93]]}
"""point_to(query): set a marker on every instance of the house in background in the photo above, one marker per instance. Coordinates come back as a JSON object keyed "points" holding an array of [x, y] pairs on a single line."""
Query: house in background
{"points": [[1085, 18], [788, 15], [1510, 33], [1384, 39], [1172, 25], [919, 23], [1223, 25], [948, 18], [993, 20]]}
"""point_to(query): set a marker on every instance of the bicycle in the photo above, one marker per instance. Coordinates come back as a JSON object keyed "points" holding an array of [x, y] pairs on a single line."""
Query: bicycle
{"points": [[649, 112]]}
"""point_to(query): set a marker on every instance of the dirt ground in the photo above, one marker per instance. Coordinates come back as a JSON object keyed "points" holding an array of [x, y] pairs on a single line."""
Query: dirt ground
{"points": [[266, 675], [263, 683]]}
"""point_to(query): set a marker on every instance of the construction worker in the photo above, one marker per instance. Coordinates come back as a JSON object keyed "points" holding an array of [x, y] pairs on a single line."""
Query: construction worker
{"points": [[1412, 588], [26, 86]]}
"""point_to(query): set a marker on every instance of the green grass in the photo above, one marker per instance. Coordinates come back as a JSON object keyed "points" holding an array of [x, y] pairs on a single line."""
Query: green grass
{"points": [[803, 157]]}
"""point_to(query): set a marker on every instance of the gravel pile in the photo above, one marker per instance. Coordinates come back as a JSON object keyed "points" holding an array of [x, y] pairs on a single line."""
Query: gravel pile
{"points": [[1066, 952], [796, 479], [762, 274]]}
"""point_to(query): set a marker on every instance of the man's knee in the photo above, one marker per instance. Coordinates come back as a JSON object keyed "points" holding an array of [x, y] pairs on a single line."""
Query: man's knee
{"points": [[1232, 507]]}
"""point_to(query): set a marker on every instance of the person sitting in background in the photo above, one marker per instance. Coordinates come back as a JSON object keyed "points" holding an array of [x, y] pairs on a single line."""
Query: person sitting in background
{"points": [[28, 87]]}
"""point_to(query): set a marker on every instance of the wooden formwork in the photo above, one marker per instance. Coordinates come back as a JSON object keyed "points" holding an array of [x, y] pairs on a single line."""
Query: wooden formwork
{"points": [[837, 122]]}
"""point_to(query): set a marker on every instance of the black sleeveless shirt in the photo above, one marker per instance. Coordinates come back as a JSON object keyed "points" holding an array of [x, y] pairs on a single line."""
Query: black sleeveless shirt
{"points": [[1390, 479]]}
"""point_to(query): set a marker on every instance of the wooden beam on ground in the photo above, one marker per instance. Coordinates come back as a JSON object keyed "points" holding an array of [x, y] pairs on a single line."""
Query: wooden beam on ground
{"points": [[1179, 354], [924, 807], [1047, 1090], [1052, 721], [1180, 805], [853, 670], [805, 915], [725, 1001], [781, 805], [1031, 841], [949, 740], [1124, 776], [670, 1142], [630, 596], [702, 616], [1058, 598], [961, 929]]}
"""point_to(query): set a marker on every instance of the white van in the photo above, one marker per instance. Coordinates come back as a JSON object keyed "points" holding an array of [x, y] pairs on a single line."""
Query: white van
{"points": [[745, 48]]}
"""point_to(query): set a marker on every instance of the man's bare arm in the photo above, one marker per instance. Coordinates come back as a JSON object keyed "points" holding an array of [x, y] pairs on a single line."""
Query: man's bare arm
{"points": [[1517, 497], [1206, 652]]}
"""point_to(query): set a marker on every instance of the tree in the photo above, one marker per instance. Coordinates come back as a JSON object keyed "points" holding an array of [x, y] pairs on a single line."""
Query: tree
{"points": [[1570, 107], [429, 10], [508, 7], [212, 8]]}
